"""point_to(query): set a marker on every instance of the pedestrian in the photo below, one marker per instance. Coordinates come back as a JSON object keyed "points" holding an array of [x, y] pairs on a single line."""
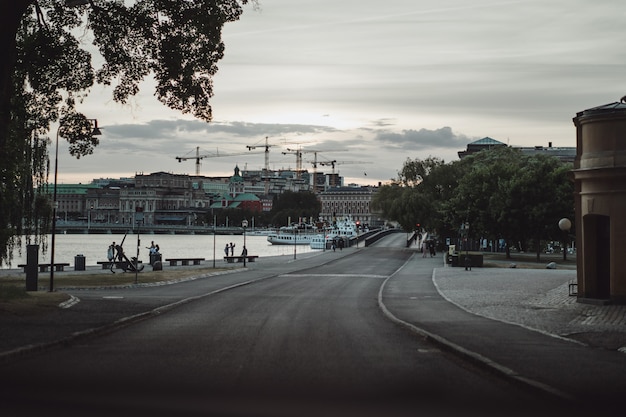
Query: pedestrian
{"points": [[244, 252], [334, 246], [111, 255], [226, 250], [232, 249], [151, 248], [120, 253], [424, 248], [341, 244]]}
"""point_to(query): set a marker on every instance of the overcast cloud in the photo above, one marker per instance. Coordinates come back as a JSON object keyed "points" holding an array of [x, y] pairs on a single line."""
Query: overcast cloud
{"points": [[377, 82]]}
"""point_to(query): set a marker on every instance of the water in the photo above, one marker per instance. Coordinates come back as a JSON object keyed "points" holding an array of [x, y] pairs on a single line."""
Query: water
{"points": [[94, 247]]}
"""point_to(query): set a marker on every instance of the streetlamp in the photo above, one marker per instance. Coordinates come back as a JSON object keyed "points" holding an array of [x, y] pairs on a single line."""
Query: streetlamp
{"points": [[565, 225], [465, 233], [95, 132], [244, 224], [295, 241]]}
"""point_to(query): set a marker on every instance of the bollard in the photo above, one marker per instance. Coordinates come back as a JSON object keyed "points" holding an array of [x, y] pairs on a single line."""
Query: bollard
{"points": [[32, 267]]}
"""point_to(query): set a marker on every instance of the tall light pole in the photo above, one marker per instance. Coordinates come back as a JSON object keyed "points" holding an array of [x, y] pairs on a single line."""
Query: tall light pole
{"points": [[214, 233], [244, 224], [565, 225], [95, 132]]}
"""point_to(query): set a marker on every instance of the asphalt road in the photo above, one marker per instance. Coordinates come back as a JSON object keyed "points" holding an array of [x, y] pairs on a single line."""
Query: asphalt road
{"points": [[308, 339]]}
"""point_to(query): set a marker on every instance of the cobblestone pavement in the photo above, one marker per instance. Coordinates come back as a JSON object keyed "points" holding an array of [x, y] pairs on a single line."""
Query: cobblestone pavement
{"points": [[535, 298]]}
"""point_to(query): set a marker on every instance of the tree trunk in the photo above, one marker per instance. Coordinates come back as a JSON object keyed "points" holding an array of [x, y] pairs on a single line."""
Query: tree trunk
{"points": [[11, 13], [538, 250]]}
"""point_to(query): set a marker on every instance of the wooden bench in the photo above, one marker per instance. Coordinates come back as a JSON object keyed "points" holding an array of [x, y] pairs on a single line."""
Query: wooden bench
{"points": [[231, 259], [44, 267], [184, 261], [118, 264]]}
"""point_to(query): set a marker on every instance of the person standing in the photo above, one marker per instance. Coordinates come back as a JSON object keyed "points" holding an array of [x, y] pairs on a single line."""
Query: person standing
{"points": [[226, 250], [232, 249], [111, 255], [120, 253]]}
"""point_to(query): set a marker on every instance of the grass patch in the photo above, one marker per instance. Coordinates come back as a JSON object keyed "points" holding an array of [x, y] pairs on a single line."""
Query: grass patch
{"points": [[15, 300], [12, 292], [527, 260], [106, 278]]}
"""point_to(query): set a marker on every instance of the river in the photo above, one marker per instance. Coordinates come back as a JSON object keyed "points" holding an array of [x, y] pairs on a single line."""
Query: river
{"points": [[94, 247]]}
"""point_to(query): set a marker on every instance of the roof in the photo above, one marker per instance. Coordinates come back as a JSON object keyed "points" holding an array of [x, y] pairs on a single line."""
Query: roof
{"points": [[487, 141], [605, 109]]}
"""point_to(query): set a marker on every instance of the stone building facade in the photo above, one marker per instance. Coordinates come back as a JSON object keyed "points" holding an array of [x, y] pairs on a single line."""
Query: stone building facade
{"points": [[600, 203]]}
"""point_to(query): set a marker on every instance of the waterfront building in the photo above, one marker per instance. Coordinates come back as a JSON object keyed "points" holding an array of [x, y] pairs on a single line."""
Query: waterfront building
{"points": [[354, 202], [237, 197]]}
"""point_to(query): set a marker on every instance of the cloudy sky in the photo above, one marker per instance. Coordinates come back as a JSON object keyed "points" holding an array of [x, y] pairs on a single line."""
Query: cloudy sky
{"points": [[372, 83]]}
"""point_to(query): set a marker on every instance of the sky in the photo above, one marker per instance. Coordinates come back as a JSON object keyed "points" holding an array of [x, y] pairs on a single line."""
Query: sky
{"points": [[371, 83]]}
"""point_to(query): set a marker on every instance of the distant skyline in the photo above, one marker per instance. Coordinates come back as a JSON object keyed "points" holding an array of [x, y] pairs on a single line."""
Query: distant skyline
{"points": [[374, 83]]}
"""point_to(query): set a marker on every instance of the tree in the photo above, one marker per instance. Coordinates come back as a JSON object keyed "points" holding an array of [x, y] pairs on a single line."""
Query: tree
{"points": [[506, 194], [292, 205], [45, 73], [406, 200]]}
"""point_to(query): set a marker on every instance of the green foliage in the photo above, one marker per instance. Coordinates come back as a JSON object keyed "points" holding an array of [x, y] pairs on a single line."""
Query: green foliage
{"points": [[502, 193], [12, 292], [45, 73], [292, 205]]}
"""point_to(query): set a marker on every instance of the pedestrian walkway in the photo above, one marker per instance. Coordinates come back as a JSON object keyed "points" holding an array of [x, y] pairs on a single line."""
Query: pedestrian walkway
{"points": [[517, 324], [536, 298]]}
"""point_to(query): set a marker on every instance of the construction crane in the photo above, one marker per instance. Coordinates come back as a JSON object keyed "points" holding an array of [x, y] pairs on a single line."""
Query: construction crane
{"points": [[199, 157], [335, 162], [314, 162], [266, 170], [298, 153]]}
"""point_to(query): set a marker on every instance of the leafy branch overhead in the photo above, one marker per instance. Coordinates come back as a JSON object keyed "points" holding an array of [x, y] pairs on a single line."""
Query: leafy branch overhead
{"points": [[48, 69]]}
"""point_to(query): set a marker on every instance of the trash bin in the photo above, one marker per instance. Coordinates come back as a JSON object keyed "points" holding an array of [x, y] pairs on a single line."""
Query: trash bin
{"points": [[79, 263], [154, 257]]}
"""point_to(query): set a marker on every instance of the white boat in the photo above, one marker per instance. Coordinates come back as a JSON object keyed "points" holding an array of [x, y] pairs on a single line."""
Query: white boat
{"points": [[290, 239], [345, 228], [291, 235], [319, 241]]}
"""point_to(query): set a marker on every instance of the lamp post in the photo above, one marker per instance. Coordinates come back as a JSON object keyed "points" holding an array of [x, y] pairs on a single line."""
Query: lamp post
{"points": [[95, 132], [214, 233], [465, 233], [565, 225], [244, 224]]}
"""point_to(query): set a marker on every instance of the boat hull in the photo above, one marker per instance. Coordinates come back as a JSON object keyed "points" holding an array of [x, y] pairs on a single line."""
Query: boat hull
{"points": [[289, 239]]}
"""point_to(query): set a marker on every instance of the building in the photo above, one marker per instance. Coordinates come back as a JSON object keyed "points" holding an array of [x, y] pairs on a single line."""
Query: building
{"points": [[564, 154], [237, 197], [483, 144], [354, 202]]}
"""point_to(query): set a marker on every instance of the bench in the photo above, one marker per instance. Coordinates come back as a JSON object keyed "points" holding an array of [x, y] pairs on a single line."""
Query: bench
{"points": [[118, 264], [231, 259], [184, 261], [44, 267]]}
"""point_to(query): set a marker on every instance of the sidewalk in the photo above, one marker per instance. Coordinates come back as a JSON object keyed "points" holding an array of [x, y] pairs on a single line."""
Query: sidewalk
{"points": [[520, 324], [534, 298]]}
